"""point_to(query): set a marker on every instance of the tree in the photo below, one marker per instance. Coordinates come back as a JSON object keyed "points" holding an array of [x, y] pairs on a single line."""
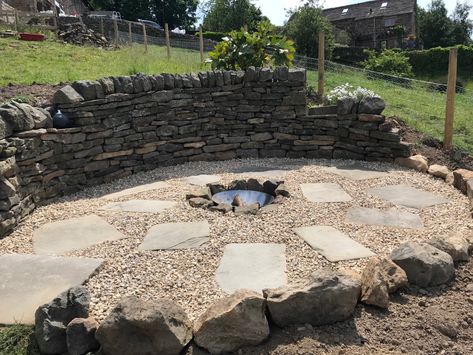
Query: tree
{"points": [[228, 15], [304, 25], [177, 13], [462, 25]]}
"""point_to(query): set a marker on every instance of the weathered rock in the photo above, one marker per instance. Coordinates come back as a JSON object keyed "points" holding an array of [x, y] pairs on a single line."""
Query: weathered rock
{"points": [[255, 185], [270, 187], [51, 319], [327, 297], [7, 189], [454, 245], [380, 278], [416, 162], [345, 106], [282, 190], [201, 193], [222, 207], [460, 178], [216, 188], [247, 209], [200, 202], [5, 129], [233, 322], [469, 190], [18, 119], [373, 105], [67, 95], [137, 326], [424, 264], [80, 334], [237, 185], [440, 171], [87, 89]]}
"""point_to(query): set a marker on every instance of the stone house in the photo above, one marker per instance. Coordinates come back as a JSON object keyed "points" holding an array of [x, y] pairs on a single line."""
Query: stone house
{"points": [[376, 24], [70, 7]]}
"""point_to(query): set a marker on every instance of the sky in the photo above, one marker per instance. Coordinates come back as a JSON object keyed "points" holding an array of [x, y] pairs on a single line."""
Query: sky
{"points": [[276, 9]]}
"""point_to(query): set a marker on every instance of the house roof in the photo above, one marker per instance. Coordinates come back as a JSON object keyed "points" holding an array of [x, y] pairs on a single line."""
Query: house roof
{"points": [[5, 7], [378, 7]]}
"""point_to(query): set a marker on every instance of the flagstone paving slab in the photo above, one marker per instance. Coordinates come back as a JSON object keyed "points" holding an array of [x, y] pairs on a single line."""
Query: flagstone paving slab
{"points": [[252, 266], [389, 218], [141, 206], [333, 244], [407, 196], [136, 190], [357, 172], [181, 235], [73, 234], [325, 192], [202, 180], [29, 281]]}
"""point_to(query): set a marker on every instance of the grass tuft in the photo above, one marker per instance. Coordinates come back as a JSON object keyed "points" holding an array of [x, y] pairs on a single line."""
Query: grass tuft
{"points": [[14, 339]]}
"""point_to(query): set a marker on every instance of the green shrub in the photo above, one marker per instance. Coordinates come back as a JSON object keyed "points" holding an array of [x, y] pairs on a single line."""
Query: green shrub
{"points": [[241, 49], [214, 36], [389, 62]]}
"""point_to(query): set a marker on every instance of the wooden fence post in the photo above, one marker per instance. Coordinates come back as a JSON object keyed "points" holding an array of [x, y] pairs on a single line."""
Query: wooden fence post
{"points": [[102, 31], [451, 90], [201, 43], [130, 36], [321, 64], [168, 42], [145, 36], [115, 29]]}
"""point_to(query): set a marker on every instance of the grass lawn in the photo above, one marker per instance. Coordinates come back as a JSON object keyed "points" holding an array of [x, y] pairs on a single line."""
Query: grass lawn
{"points": [[51, 62], [14, 339], [421, 108]]}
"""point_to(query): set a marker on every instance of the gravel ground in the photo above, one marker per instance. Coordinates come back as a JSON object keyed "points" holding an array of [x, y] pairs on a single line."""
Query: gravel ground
{"points": [[188, 276]]}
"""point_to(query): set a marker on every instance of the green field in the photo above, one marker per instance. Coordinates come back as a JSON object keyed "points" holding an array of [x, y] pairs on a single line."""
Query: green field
{"points": [[52, 62]]}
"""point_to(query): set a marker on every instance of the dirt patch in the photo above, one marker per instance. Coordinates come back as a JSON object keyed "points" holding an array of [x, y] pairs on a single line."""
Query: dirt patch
{"points": [[39, 95]]}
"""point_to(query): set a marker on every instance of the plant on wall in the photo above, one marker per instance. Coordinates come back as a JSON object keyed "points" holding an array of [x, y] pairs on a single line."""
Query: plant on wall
{"points": [[241, 49]]}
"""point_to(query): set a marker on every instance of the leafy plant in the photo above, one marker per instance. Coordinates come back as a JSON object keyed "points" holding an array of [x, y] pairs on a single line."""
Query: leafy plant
{"points": [[389, 62], [348, 91], [241, 49]]}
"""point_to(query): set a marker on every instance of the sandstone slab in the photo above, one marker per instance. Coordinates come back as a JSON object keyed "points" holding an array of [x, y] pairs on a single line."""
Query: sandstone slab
{"points": [[73, 234], [29, 281], [181, 235], [136, 190], [140, 206], [252, 266], [233, 322], [407, 196], [333, 244], [389, 218], [201, 180], [416, 162], [325, 192], [356, 172]]}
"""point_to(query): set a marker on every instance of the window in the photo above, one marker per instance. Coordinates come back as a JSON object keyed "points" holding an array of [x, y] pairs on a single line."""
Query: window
{"points": [[384, 5], [389, 22], [344, 12]]}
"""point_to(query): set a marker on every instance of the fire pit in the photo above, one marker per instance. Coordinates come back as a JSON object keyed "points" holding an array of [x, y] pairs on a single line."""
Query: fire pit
{"points": [[240, 196]]}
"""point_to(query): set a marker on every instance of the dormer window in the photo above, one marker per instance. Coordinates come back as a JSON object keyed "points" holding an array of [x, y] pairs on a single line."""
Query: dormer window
{"points": [[384, 5], [344, 12]]}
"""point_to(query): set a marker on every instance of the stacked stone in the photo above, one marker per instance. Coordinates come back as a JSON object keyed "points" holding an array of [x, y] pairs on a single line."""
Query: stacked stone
{"points": [[124, 125]]}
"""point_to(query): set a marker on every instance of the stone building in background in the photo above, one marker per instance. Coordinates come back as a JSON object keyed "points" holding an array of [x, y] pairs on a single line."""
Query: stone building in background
{"points": [[66, 7], [376, 24]]}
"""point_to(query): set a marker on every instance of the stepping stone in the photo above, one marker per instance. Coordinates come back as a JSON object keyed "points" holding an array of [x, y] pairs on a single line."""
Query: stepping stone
{"points": [[325, 192], [333, 244], [73, 234], [29, 281], [136, 190], [356, 172], [407, 196], [201, 180], [182, 235], [252, 266], [389, 218], [142, 206]]}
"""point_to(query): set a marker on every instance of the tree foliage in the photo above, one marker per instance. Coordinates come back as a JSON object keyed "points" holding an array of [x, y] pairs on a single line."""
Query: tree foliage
{"points": [[228, 15], [303, 27], [242, 49], [437, 29], [177, 13], [390, 62]]}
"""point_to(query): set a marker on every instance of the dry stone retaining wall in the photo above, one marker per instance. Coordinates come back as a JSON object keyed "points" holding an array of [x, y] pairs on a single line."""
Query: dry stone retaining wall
{"points": [[123, 125]]}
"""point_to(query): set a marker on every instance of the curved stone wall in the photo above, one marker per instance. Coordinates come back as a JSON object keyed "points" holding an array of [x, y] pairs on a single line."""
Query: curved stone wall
{"points": [[124, 125]]}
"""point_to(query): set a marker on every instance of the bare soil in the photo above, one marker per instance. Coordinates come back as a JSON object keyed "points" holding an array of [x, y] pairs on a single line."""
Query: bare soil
{"points": [[39, 95]]}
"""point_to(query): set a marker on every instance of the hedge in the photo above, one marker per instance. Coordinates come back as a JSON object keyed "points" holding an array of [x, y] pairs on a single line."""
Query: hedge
{"points": [[215, 36]]}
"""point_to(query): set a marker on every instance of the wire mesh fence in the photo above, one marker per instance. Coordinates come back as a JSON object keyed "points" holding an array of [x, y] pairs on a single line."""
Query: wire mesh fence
{"points": [[420, 103]]}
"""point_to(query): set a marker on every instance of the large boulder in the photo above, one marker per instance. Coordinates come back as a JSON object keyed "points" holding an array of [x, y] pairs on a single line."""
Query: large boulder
{"points": [[416, 162], [233, 322], [346, 106], [460, 179], [380, 278], [51, 319], [137, 326], [17, 119], [424, 264], [454, 245], [67, 95], [373, 105], [327, 297], [440, 171], [41, 117], [80, 334]]}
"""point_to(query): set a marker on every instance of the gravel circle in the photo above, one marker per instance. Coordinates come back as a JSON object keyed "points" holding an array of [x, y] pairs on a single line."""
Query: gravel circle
{"points": [[188, 276]]}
